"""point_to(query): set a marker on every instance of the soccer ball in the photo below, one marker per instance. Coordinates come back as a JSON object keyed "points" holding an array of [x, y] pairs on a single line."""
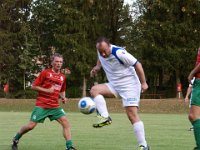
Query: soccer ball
{"points": [[86, 105]]}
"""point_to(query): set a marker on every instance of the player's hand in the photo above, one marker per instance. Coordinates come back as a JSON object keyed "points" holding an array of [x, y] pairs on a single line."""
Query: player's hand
{"points": [[50, 90], [94, 71], [186, 99], [64, 100], [144, 87], [67, 71]]}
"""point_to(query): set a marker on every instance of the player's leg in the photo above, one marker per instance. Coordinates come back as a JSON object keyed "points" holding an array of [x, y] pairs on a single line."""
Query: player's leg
{"points": [[138, 126], [191, 128], [66, 132], [194, 117], [98, 92], [130, 99], [58, 114], [38, 115], [194, 114], [24, 129]]}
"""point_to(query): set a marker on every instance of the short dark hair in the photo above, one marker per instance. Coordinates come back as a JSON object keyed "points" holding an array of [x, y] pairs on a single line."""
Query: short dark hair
{"points": [[103, 39], [56, 55]]}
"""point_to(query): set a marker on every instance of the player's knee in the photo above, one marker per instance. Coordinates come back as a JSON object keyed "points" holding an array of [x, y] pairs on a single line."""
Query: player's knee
{"points": [[64, 122], [133, 117], [191, 117], [31, 126], [94, 91], [66, 126]]}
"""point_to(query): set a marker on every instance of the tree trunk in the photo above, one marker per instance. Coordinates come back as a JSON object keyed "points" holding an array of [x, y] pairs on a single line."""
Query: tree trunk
{"points": [[24, 80], [84, 86], [160, 77]]}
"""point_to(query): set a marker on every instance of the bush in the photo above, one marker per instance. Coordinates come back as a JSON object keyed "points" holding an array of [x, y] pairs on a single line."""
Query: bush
{"points": [[2, 94], [24, 94], [31, 94], [74, 92]]}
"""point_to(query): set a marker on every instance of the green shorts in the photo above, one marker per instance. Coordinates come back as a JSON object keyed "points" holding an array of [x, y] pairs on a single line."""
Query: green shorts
{"points": [[40, 114], [195, 99]]}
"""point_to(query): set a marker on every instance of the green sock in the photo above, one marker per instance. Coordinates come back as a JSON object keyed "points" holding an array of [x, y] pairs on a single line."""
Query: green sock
{"points": [[196, 125], [17, 136], [69, 143]]}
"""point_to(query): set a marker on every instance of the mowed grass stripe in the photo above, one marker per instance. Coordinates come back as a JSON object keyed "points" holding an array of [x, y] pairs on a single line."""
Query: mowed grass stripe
{"points": [[163, 132]]}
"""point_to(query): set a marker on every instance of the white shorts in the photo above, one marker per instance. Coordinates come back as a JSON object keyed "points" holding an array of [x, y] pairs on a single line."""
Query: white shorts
{"points": [[129, 96]]}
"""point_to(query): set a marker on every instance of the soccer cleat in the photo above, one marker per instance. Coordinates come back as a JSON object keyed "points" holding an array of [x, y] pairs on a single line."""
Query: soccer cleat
{"points": [[71, 148], [144, 148], [191, 129], [196, 148], [14, 144], [102, 122]]}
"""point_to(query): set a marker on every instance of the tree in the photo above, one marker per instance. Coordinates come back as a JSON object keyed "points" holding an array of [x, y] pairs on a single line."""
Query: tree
{"points": [[72, 27], [165, 35], [14, 32]]}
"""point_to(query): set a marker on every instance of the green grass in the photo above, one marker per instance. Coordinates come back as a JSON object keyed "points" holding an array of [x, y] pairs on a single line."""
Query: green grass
{"points": [[163, 132]]}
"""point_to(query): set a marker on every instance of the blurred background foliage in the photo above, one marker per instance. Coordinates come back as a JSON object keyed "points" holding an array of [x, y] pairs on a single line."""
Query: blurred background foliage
{"points": [[162, 35]]}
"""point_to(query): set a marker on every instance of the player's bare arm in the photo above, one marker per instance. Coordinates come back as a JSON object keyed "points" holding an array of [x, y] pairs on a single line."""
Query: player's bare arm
{"points": [[63, 98], [96, 69], [140, 72], [39, 88], [189, 90], [193, 72]]}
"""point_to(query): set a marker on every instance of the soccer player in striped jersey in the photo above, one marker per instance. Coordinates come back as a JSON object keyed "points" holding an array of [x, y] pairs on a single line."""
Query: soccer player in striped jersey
{"points": [[126, 80], [194, 114], [51, 85]]}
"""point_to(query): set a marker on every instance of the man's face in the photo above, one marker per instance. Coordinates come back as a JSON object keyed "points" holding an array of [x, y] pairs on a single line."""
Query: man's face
{"points": [[104, 49], [57, 63]]}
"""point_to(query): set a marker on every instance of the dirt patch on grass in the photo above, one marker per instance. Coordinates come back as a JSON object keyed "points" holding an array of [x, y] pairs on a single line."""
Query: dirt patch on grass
{"points": [[114, 105]]}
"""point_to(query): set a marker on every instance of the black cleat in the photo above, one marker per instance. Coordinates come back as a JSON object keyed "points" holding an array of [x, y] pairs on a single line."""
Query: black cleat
{"points": [[102, 122], [110, 120], [191, 129], [144, 148], [71, 148], [14, 144], [196, 148]]}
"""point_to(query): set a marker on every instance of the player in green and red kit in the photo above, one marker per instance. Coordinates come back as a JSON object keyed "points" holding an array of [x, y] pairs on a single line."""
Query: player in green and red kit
{"points": [[194, 114], [51, 85]]}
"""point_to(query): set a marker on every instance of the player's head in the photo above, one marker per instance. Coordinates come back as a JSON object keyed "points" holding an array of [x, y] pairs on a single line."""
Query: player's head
{"points": [[103, 46], [56, 61]]}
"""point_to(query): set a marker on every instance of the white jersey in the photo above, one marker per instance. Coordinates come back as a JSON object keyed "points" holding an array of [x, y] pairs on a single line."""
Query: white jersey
{"points": [[119, 68]]}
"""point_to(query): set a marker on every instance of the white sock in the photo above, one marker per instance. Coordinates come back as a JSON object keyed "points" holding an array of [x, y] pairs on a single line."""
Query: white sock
{"points": [[138, 128], [101, 106]]}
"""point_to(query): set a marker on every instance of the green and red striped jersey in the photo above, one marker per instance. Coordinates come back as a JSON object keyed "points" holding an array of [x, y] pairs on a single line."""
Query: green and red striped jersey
{"points": [[197, 75], [47, 79]]}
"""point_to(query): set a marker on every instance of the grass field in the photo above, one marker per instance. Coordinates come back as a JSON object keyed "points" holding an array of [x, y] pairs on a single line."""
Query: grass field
{"points": [[163, 132]]}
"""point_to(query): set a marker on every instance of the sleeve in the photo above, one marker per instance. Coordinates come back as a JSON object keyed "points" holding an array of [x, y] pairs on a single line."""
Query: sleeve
{"points": [[39, 80], [126, 58], [64, 85], [192, 81]]}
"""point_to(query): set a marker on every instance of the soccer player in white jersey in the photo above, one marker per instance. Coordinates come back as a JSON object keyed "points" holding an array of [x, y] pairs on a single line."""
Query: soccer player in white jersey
{"points": [[126, 80]]}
